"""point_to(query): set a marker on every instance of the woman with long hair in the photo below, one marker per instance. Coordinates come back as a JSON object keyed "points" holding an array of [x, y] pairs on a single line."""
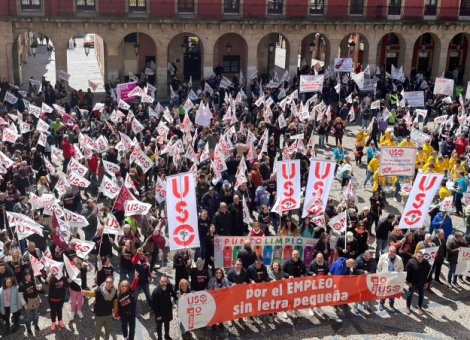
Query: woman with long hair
{"points": [[16, 263], [309, 229], [218, 281], [30, 300], [126, 306], [76, 287], [183, 289], [289, 228], [275, 273], [43, 186], [10, 303], [56, 298], [126, 253]]}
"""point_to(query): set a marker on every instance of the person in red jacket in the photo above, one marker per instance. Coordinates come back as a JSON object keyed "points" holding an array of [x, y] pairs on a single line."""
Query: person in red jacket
{"points": [[66, 150], [461, 144], [93, 167], [256, 175]]}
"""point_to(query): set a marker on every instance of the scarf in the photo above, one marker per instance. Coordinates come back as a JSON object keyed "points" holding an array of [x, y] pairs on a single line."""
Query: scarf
{"points": [[108, 295]]}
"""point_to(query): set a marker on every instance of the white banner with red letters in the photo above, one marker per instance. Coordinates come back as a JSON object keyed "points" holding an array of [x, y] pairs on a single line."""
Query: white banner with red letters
{"points": [[320, 177], [75, 220], [134, 207], [397, 161], [444, 86], [415, 98], [311, 83], [109, 188], [421, 196], [111, 226], [160, 190], [110, 168], [288, 184], [40, 202], [182, 210], [83, 247], [78, 180], [77, 167], [463, 262]]}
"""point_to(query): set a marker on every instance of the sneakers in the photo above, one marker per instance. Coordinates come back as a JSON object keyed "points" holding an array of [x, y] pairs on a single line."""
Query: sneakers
{"points": [[80, 314], [72, 316], [53, 326], [284, 315], [270, 318], [356, 311], [311, 312], [381, 307], [395, 199], [61, 324], [36, 328], [392, 309], [320, 311]]}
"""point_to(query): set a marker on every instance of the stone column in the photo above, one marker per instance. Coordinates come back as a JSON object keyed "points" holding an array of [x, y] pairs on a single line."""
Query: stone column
{"points": [[111, 60], [6, 58], [439, 59], [252, 61], [60, 47], [408, 58], [162, 74]]}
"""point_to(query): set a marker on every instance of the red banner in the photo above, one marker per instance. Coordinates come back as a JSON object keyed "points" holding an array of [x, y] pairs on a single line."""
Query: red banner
{"points": [[206, 308]]}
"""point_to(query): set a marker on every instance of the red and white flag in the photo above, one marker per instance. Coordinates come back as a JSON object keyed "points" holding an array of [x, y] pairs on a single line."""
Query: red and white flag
{"points": [[111, 226], [135, 207], [320, 178], [92, 85], [339, 222], [83, 248], [288, 184], [160, 190], [109, 187], [56, 268], [36, 265]]}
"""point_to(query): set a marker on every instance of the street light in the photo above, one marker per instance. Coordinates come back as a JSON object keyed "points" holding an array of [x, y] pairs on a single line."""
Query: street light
{"points": [[389, 44], [184, 46], [459, 44], [229, 48], [312, 46], [34, 48], [270, 50], [136, 48], [352, 44], [423, 45], [87, 50]]}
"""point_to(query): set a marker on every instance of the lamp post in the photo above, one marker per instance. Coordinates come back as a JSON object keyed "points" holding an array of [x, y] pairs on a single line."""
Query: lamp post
{"points": [[270, 50], [229, 48], [34, 48], [87, 50], [136, 48], [312, 48]]}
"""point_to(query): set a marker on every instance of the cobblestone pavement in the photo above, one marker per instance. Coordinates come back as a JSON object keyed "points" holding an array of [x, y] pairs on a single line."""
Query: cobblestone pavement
{"points": [[446, 312]]}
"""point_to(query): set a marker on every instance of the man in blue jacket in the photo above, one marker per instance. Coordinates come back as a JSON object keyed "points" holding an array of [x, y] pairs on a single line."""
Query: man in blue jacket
{"points": [[442, 221], [257, 272], [342, 266]]}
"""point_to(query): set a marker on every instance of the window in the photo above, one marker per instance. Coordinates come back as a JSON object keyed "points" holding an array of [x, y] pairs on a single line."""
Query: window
{"points": [[393, 39], [186, 6], [231, 6], [356, 7], [275, 7], [394, 7], [430, 7], [464, 7], [457, 39], [86, 5], [137, 5], [426, 39], [316, 6], [30, 4], [231, 63]]}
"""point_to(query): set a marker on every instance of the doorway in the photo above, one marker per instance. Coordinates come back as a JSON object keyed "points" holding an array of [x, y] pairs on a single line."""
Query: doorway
{"points": [[148, 63], [192, 59]]}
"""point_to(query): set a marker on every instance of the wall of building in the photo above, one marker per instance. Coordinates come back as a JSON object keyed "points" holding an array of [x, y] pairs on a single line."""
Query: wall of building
{"points": [[99, 53]]}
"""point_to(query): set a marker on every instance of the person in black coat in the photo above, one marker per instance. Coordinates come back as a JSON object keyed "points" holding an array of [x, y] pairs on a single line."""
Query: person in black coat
{"points": [[294, 266], [223, 220], [417, 278], [199, 276], [181, 257], [236, 209], [237, 274], [162, 297], [348, 246], [247, 255], [318, 266]]}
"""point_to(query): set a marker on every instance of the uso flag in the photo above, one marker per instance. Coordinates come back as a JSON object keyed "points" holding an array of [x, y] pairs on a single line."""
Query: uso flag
{"points": [[182, 211], [288, 184]]}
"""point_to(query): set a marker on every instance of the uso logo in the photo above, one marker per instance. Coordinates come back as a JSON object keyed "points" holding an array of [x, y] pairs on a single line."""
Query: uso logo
{"points": [[183, 234]]}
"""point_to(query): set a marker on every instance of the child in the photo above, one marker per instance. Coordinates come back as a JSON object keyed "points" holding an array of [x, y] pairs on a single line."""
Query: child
{"points": [[359, 152], [396, 183], [446, 165], [256, 231], [76, 287], [56, 298], [10, 303]]}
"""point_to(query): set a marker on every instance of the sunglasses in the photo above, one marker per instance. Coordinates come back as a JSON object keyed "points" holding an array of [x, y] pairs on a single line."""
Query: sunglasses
{"points": [[109, 283]]}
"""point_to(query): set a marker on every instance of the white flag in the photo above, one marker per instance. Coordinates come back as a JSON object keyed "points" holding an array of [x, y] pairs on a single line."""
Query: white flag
{"points": [[56, 268], [111, 226]]}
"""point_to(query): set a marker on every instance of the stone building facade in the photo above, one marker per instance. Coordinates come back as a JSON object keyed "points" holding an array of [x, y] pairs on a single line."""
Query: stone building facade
{"points": [[412, 38]]}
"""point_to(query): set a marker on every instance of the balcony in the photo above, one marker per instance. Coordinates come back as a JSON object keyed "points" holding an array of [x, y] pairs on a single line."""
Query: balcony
{"points": [[229, 9]]}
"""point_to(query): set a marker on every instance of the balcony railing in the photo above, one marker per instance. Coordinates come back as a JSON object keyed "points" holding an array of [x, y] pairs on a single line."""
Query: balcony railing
{"points": [[205, 9]]}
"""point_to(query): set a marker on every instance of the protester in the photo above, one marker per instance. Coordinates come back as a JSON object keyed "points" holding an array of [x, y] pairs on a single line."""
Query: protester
{"points": [[390, 262], [163, 297], [417, 277]]}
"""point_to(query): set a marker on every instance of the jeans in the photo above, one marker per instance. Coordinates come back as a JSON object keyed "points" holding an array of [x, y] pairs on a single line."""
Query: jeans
{"points": [[89, 235], [100, 322], [66, 163], [275, 224], [381, 246], [390, 301], [458, 202], [321, 140], [369, 175], [161, 207], [128, 319], [126, 275], [23, 246], [451, 274], [93, 182], [200, 252], [397, 189], [146, 288], [182, 330], [365, 123], [31, 316], [467, 231], [160, 323], [411, 291], [399, 139]]}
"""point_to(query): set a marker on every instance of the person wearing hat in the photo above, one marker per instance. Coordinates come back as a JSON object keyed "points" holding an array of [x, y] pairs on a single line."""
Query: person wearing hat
{"points": [[226, 193], [211, 202]]}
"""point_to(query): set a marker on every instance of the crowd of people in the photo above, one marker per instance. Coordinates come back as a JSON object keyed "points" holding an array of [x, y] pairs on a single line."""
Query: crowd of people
{"points": [[257, 133]]}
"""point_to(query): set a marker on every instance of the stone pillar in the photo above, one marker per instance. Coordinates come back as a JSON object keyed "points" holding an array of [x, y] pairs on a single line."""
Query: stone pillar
{"points": [[439, 59], [60, 47], [6, 58], [334, 48], [208, 56], [292, 57], [111, 60], [252, 61], [162, 74], [408, 55]]}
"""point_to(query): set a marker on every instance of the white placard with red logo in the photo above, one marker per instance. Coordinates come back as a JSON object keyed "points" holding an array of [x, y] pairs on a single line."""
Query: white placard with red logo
{"points": [[311, 83], [415, 98], [56, 268], [288, 184], [144, 162], [397, 161], [430, 253], [109, 167], [160, 190], [75, 220], [34, 110], [444, 86], [320, 177], [83, 247], [10, 98], [57, 153], [421, 196], [109, 188], [182, 211], [40, 202], [77, 167], [343, 65], [57, 209], [64, 75], [9, 135], [78, 180], [134, 207], [111, 226], [102, 144], [463, 262], [339, 222]]}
